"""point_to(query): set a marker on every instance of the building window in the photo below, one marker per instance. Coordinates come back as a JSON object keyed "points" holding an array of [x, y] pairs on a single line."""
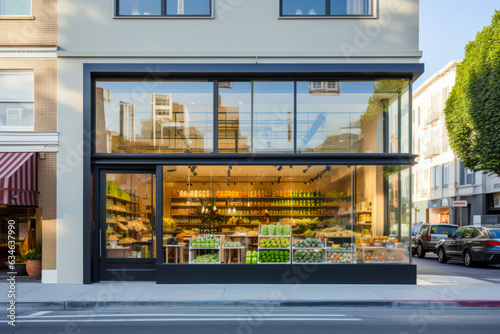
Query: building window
{"points": [[17, 100], [446, 175], [326, 7], [15, 7], [466, 175], [435, 178], [253, 116], [165, 8]]}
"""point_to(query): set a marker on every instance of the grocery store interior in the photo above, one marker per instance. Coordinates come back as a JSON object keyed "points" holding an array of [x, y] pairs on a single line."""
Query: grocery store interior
{"points": [[234, 214]]}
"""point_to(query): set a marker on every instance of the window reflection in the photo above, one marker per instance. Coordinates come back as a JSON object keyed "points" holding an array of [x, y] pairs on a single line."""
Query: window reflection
{"points": [[348, 116], [350, 7], [139, 7], [256, 117], [304, 7], [188, 7], [176, 118]]}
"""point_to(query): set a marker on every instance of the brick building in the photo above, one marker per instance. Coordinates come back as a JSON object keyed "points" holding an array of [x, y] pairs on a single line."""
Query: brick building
{"points": [[28, 123]]}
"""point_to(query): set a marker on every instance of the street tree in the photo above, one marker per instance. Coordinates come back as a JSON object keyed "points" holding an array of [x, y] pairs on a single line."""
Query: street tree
{"points": [[472, 110]]}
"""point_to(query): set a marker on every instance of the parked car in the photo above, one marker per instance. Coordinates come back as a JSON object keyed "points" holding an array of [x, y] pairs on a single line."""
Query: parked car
{"points": [[473, 245], [429, 235], [414, 231]]}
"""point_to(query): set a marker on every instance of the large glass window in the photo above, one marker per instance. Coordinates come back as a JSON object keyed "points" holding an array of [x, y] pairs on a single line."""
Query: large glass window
{"points": [[253, 116], [256, 117], [15, 7], [285, 214], [159, 117], [164, 7], [17, 97], [325, 7], [349, 116]]}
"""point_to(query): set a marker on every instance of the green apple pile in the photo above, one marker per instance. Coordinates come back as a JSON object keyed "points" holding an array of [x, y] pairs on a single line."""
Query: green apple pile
{"points": [[251, 257], [207, 258], [205, 242], [232, 244], [309, 256], [276, 242], [274, 256], [308, 243]]}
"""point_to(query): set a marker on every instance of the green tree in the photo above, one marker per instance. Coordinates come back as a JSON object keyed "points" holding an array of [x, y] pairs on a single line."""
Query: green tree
{"points": [[472, 111]]}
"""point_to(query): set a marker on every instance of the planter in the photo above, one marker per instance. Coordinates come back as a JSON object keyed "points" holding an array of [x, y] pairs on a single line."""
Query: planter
{"points": [[34, 268]]}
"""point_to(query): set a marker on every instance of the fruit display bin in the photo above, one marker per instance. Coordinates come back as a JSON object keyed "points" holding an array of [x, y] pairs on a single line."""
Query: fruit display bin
{"points": [[309, 249], [374, 254], [396, 255], [341, 255], [194, 250]]}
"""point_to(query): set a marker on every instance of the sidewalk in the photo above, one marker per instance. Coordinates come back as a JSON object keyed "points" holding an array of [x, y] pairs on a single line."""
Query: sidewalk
{"points": [[150, 295]]}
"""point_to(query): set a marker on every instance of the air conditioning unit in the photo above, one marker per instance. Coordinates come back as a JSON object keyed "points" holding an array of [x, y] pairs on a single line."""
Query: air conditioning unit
{"points": [[14, 117]]}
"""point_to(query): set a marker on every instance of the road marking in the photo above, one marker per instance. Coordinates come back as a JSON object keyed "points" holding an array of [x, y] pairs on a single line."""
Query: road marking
{"points": [[36, 314], [184, 315], [36, 320]]}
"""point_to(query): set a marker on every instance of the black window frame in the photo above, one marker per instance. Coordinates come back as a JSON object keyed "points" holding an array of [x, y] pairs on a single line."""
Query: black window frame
{"points": [[164, 12], [328, 11]]}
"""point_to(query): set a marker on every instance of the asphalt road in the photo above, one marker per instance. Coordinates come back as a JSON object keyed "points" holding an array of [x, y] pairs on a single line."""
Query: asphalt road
{"points": [[274, 321], [430, 266]]}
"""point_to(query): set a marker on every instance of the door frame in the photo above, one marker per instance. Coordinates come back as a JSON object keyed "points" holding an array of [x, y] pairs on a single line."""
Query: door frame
{"points": [[121, 269]]}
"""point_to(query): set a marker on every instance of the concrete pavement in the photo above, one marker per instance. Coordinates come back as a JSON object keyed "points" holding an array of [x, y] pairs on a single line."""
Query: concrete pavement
{"points": [[149, 294]]}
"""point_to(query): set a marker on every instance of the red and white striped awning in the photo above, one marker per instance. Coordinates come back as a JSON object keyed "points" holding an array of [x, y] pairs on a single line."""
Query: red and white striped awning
{"points": [[18, 179]]}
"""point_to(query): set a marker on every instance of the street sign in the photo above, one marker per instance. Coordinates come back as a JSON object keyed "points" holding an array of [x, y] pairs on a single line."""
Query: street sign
{"points": [[459, 204]]}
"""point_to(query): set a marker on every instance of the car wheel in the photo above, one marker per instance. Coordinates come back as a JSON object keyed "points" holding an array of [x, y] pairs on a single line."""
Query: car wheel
{"points": [[420, 251], [442, 258], [468, 259]]}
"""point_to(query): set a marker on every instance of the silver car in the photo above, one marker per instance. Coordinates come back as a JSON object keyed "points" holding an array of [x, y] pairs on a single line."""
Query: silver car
{"points": [[428, 237], [472, 244]]}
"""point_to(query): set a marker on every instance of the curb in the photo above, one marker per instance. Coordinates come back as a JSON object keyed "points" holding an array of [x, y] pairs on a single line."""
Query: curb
{"points": [[257, 304]]}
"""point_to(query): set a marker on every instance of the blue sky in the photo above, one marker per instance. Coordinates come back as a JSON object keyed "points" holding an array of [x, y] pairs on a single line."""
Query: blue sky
{"points": [[446, 26]]}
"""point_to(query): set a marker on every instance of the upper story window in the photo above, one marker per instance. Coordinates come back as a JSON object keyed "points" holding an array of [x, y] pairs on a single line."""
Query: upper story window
{"points": [[466, 175], [15, 7], [17, 100], [167, 8], [326, 7]]}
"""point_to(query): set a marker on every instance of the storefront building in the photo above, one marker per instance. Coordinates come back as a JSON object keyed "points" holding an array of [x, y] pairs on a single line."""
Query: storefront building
{"points": [[234, 165]]}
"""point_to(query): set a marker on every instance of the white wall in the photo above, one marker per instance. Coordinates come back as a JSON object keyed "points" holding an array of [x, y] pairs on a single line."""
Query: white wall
{"points": [[244, 29]]}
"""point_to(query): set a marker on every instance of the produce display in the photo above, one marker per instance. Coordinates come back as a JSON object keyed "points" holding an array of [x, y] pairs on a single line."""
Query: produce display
{"points": [[232, 244], [341, 254], [251, 257], [277, 242], [308, 243], [277, 229], [397, 255], [274, 256], [207, 258], [206, 242], [309, 256], [374, 256]]}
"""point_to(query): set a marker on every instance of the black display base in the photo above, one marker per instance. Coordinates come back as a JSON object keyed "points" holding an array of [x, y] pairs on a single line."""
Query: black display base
{"points": [[286, 274]]}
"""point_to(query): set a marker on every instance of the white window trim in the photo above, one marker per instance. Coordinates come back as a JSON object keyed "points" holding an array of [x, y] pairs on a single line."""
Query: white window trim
{"points": [[25, 15], [373, 15], [155, 17]]}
